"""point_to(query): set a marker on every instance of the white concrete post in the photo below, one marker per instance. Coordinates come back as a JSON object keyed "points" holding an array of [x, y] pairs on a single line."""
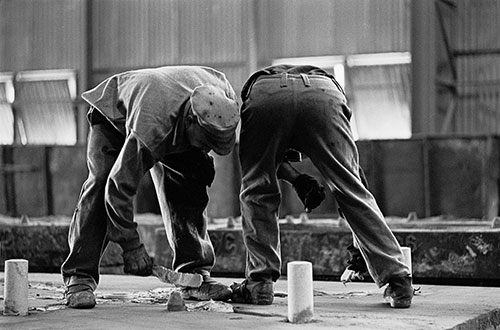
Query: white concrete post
{"points": [[300, 291], [407, 257], [16, 287]]}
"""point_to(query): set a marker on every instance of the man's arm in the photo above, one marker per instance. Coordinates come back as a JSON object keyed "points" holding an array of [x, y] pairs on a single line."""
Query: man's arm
{"points": [[131, 165], [310, 192], [287, 172]]}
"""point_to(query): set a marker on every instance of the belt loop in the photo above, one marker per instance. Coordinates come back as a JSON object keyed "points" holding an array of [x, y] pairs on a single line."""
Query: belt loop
{"points": [[305, 79], [284, 78]]}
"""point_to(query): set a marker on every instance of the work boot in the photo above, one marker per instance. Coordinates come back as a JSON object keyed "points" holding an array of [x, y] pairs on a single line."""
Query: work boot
{"points": [[399, 292], [80, 296], [209, 289], [136, 261], [253, 292]]}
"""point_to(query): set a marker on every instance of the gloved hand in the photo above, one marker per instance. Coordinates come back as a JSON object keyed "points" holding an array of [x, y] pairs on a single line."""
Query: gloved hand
{"points": [[201, 166], [310, 192], [137, 261], [356, 266]]}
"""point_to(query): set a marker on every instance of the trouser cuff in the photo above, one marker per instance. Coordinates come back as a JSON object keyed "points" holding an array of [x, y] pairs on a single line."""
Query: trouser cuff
{"points": [[78, 280]]}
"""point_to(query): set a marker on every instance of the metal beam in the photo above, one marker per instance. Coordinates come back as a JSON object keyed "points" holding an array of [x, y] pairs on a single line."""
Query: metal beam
{"points": [[424, 61]]}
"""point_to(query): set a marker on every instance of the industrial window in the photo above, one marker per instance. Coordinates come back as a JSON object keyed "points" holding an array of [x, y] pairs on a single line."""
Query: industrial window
{"points": [[44, 107], [377, 88], [6, 112]]}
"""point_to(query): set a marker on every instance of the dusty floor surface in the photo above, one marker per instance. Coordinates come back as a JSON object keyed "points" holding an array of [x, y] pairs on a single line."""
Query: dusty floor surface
{"points": [[128, 302]]}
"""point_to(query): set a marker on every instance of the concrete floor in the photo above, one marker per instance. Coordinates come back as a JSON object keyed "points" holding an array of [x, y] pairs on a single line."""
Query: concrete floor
{"points": [[129, 302]]}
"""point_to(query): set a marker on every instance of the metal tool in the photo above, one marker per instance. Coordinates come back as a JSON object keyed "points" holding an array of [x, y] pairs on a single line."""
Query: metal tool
{"points": [[178, 279], [351, 275]]}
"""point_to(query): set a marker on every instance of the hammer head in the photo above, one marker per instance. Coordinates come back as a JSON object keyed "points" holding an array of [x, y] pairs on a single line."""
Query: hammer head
{"points": [[176, 278]]}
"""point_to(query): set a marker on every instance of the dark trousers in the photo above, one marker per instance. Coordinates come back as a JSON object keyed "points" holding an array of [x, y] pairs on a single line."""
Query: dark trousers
{"points": [[308, 114], [182, 199]]}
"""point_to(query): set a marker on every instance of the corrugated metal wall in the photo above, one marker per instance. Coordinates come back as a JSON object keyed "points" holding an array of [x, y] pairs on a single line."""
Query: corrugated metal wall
{"points": [[133, 34], [51, 34], [290, 28], [42, 34], [475, 42], [127, 34]]}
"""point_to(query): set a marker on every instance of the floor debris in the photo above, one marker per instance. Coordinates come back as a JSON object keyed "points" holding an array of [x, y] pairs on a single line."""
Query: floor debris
{"points": [[210, 306]]}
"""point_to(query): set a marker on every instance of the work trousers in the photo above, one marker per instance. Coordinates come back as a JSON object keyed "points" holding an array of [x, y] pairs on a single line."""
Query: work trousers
{"points": [[307, 113], [182, 199]]}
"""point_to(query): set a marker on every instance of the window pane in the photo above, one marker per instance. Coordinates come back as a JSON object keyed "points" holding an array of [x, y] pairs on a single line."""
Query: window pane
{"points": [[380, 100], [44, 107], [6, 113]]}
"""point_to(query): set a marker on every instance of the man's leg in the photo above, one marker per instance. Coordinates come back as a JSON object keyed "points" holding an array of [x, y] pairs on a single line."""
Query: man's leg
{"points": [[183, 198], [325, 136], [87, 232], [265, 131]]}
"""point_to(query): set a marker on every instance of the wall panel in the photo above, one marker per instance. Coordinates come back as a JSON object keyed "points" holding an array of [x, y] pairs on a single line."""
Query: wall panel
{"points": [[133, 34], [129, 34], [395, 173], [32, 195], [42, 34], [472, 28], [66, 173], [4, 204], [457, 176], [332, 27], [212, 31]]}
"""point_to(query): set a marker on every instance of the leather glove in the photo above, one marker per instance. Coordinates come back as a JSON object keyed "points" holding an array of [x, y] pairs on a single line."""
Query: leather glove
{"points": [[356, 262], [356, 266], [310, 192], [137, 261]]}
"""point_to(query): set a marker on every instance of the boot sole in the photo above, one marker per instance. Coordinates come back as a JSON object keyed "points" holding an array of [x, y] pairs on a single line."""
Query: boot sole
{"points": [[82, 304], [263, 301], [400, 303], [79, 300]]}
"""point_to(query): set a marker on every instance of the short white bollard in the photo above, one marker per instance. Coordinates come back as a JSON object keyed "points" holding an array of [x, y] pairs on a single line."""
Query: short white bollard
{"points": [[407, 257], [16, 287], [300, 291]]}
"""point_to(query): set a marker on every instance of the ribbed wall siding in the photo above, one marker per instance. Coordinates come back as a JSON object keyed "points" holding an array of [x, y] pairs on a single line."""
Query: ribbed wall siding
{"points": [[47, 34], [129, 34], [305, 28], [159, 32], [476, 25], [478, 103], [212, 30], [41, 34], [476, 43]]}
